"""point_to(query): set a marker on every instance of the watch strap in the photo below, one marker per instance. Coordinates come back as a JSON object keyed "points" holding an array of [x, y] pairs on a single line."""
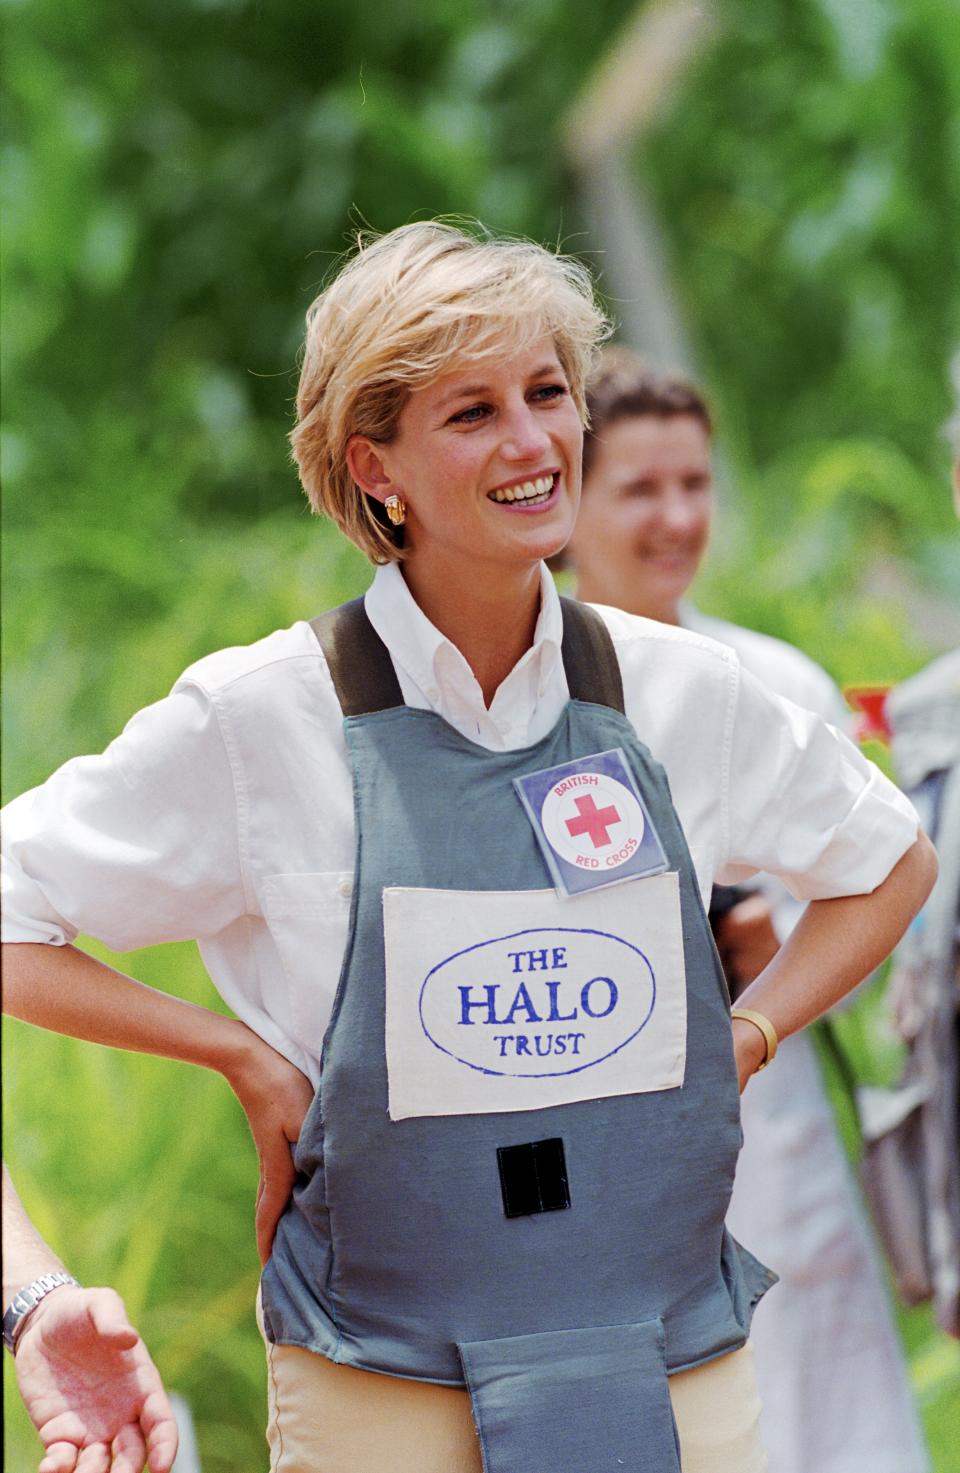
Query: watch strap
{"points": [[25, 1301]]}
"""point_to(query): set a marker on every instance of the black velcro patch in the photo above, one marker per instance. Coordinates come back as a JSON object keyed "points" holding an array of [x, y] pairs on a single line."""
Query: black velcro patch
{"points": [[533, 1178]]}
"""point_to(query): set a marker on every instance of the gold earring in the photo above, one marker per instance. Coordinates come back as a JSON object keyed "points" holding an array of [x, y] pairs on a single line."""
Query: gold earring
{"points": [[396, 510]]}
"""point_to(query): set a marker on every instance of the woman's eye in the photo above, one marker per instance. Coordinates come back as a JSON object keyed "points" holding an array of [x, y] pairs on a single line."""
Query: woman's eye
{"points": [[475, 413], [470, 416]]}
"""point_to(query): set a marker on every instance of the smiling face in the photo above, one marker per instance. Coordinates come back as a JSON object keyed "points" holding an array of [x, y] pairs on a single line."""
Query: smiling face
{"points": [[645, 515], [487, 460]]}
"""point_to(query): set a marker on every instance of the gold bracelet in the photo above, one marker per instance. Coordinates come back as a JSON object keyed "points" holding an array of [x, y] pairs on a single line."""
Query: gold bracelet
{"points": [[766, 1028]]}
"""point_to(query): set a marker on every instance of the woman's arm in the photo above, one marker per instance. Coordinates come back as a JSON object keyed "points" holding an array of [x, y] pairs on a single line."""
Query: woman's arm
{"points": [[61, 988], [834, 946]]}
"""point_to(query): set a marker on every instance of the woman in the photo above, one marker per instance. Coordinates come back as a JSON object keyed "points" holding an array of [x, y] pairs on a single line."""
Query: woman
{"points": [[500, 1183], [833, 1383]]}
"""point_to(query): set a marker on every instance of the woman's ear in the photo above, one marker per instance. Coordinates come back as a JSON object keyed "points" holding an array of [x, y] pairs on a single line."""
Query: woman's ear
{"points": [[366, 464]]}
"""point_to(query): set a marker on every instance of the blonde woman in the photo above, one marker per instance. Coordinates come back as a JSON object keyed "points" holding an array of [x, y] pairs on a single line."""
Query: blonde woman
{"points": [[436, 872]]}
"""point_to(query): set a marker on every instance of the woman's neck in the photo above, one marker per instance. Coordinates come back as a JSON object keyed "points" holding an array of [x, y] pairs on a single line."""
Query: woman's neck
{"points": [[491, 620]]}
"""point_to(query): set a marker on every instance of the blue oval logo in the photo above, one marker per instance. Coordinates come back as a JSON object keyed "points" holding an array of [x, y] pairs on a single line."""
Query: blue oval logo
{"points": [[538, 1003]]}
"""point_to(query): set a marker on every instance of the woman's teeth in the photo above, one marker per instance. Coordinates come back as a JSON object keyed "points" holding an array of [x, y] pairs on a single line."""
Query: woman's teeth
{"points": [[537, 490]]}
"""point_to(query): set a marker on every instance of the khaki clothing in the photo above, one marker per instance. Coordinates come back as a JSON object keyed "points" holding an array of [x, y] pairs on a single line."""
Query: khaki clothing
{"points": [[326, 1418]]}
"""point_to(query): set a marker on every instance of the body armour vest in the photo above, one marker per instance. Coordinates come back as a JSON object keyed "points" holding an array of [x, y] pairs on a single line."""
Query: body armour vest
{"points": [[516, 1169]]}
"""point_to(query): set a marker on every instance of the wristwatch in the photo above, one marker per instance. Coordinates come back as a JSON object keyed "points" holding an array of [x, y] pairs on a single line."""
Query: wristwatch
{"points": [[25, 1302]]}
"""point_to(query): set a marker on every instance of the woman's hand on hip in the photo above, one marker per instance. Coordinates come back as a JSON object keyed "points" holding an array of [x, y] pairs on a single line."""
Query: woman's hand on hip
{"points": [[275, 1097]]}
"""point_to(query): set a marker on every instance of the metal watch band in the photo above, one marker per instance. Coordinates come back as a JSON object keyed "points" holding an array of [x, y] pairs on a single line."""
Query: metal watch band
{"points": [[26, 1300]]}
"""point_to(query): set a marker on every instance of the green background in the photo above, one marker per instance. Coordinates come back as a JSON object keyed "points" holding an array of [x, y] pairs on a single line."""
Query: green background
{"points": [[180, 178]]}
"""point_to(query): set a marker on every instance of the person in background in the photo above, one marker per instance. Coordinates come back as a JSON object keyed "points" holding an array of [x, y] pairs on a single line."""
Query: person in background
{"points": [[832, 1377], [86, 1378], [923, 718]]}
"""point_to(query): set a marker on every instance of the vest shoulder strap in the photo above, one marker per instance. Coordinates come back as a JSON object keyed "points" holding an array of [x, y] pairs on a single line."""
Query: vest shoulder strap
{"points": [[589, 658], [365, 680], [359, 662]]}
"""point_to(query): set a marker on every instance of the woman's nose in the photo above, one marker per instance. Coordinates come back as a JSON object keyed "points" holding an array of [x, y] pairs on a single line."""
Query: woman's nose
{"points": [[525, 438]]}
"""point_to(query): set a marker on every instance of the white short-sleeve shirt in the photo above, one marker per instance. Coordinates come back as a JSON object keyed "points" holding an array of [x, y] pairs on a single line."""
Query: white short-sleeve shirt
{"points": [[224, 812]]}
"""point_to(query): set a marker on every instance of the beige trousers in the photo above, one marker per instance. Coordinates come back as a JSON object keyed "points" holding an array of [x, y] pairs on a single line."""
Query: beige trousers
{"points": [[327, 1418]]}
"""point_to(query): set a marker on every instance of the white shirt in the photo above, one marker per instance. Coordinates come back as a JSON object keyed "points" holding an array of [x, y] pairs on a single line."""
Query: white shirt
{"points": [[782, 666], [792, 674], [225, 811]]}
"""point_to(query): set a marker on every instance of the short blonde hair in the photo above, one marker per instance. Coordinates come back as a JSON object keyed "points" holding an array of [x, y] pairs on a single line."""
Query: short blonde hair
{"points": [[407, 307]]}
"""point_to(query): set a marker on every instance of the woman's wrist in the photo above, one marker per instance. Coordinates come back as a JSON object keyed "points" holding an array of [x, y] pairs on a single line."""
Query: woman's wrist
{"points": [[764, 1027], [234, 1050], [749, 1047], [246, 1060]]}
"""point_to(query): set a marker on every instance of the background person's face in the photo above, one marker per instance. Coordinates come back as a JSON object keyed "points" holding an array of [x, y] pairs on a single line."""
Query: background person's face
{"points": [[645, 514]]}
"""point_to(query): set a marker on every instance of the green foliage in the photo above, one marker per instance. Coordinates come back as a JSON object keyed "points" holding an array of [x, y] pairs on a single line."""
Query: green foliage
{"points": [[808, 177], [180, 178]]}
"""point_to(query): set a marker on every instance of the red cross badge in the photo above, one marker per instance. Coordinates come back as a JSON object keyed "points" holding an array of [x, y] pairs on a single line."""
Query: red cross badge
{"points": [[592, 821]]}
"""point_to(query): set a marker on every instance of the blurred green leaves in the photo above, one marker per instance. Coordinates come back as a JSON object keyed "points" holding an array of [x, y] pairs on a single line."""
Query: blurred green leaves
{"points": [[808, 174]]}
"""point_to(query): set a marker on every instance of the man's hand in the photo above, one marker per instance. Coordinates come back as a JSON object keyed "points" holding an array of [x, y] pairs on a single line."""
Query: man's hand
{"points": [[746, 941], [91, 1389], [275, 1097]]}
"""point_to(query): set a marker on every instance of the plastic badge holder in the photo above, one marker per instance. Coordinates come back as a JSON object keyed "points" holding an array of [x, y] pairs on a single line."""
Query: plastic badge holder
{"points": [[591, 823]]}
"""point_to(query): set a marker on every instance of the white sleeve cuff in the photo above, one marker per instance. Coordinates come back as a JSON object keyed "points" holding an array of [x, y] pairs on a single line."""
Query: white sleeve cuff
{"points": [[881, 826], [27, 914]]}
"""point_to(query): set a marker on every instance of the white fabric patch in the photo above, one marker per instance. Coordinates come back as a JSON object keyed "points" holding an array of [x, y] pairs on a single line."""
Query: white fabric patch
{"points": [[520, 1000]]}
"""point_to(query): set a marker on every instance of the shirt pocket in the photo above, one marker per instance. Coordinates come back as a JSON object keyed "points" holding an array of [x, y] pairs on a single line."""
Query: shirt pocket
{"points": [[308, 917]]}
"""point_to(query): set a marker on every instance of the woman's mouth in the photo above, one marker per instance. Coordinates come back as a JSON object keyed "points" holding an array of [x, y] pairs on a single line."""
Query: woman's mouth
{"points": [[527, 494]]}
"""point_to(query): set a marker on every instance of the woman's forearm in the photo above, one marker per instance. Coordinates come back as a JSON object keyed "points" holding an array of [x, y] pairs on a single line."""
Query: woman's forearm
{"points": [[839, 942], [61, 988]]}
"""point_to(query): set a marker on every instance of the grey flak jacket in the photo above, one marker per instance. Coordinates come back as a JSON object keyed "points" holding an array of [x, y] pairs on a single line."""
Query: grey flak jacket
{"points": [[560, 1263]]}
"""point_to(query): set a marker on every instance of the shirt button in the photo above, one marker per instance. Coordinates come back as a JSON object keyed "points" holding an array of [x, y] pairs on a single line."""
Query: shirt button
{"points": [[345, 887], [433, 695]]}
